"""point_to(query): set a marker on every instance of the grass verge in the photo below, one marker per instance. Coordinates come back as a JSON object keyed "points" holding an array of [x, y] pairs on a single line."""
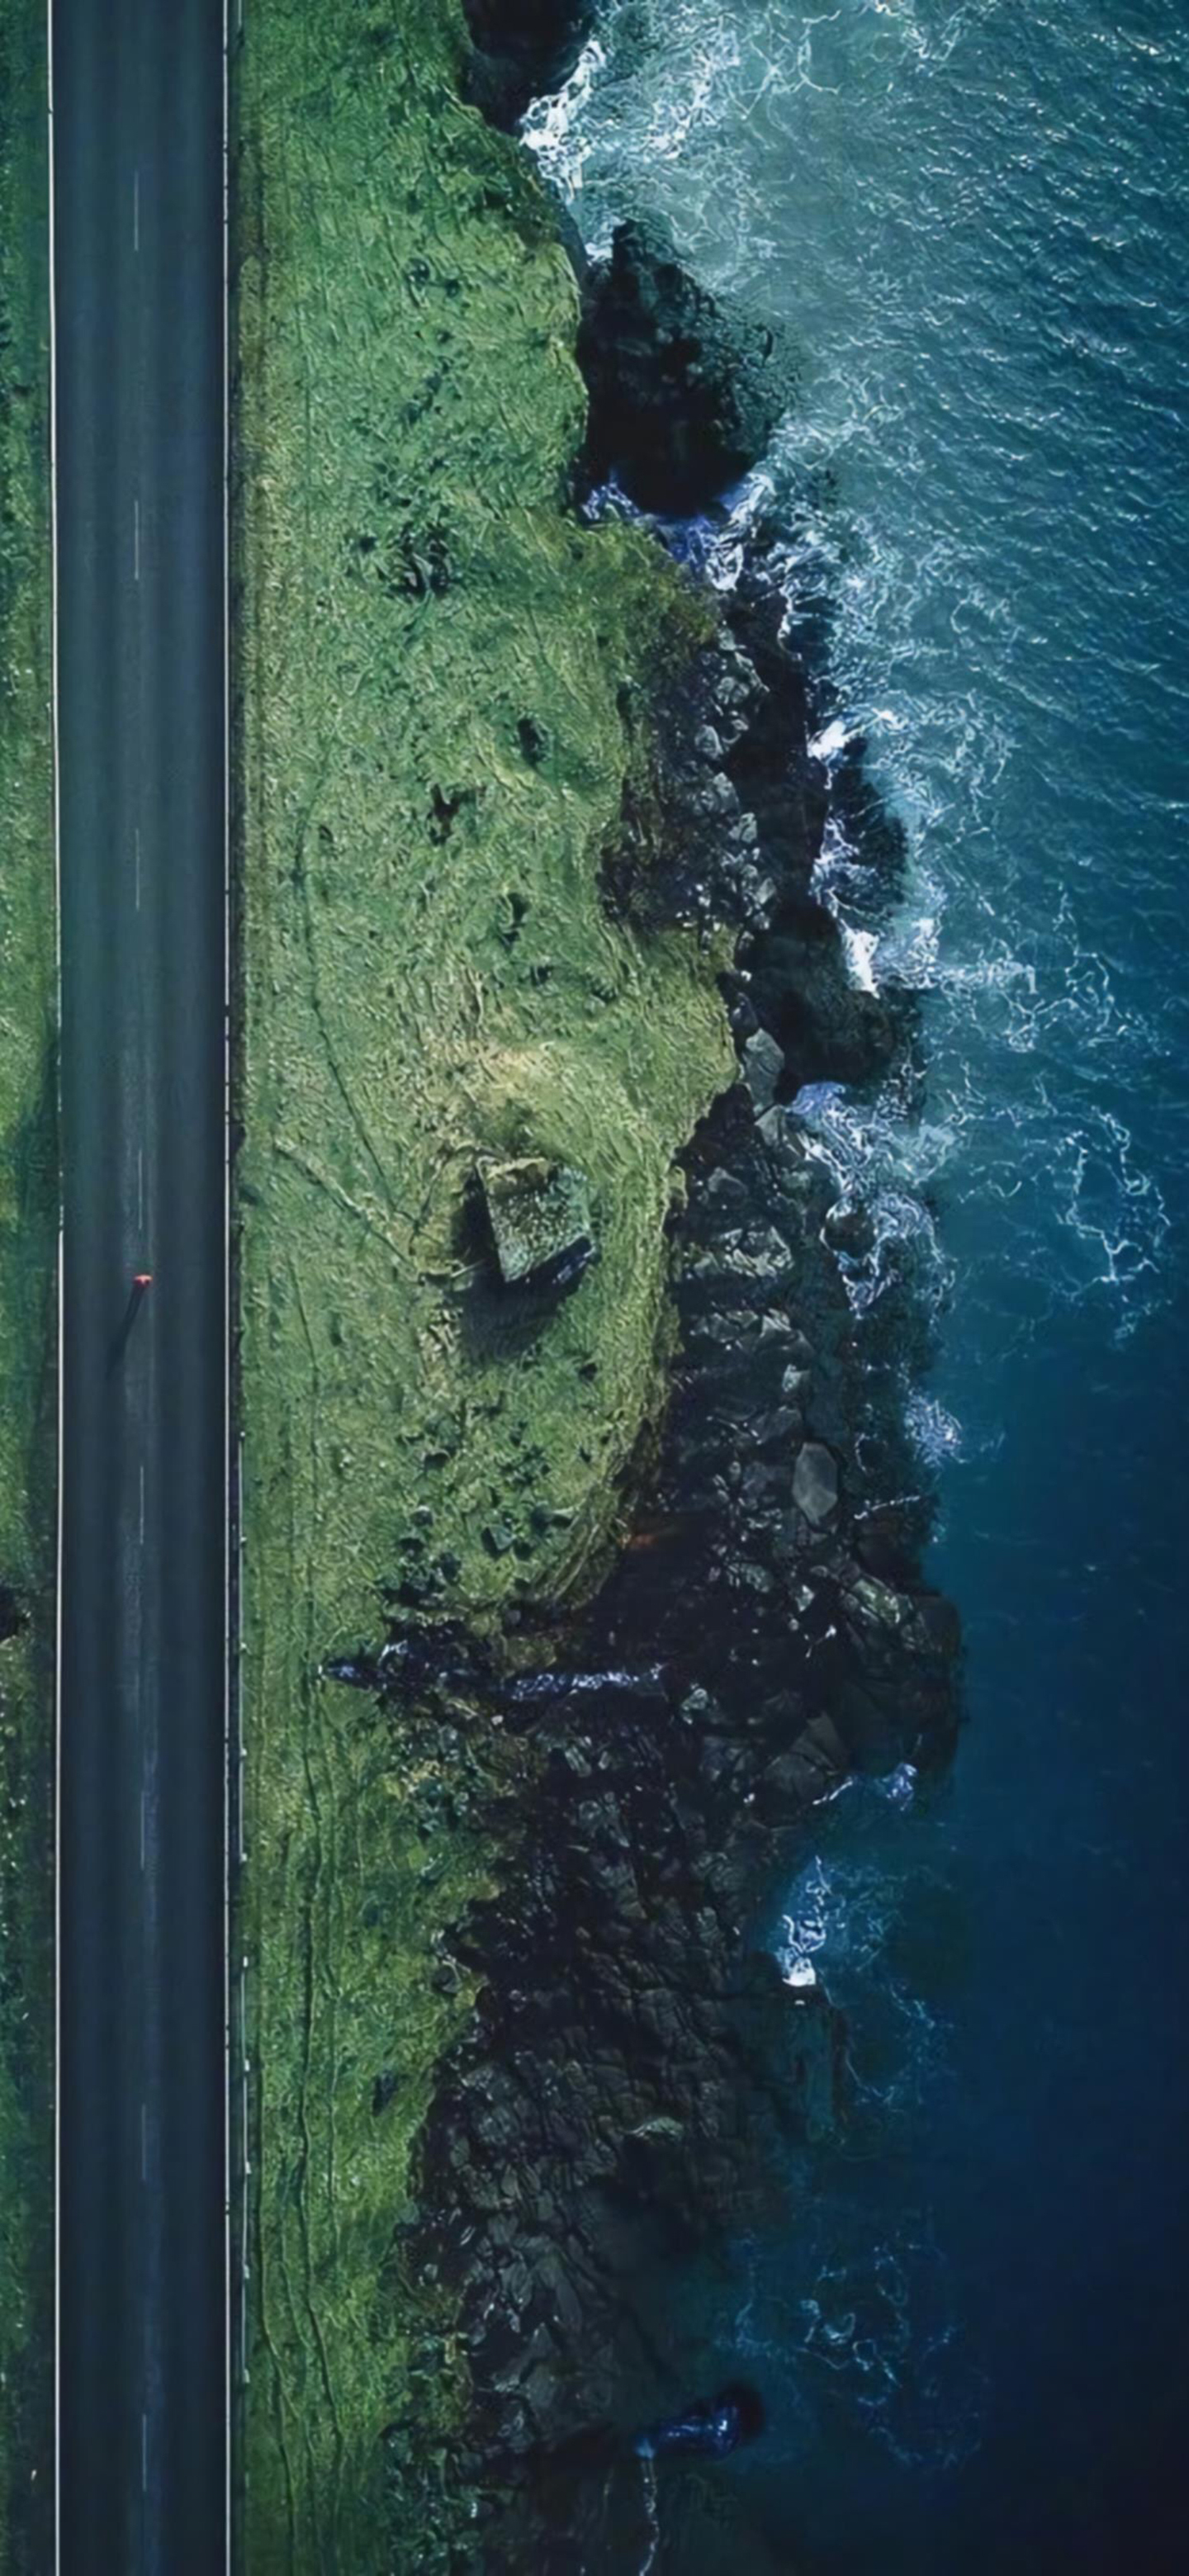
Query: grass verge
{"points": [[438, 699], [28, 1240]]}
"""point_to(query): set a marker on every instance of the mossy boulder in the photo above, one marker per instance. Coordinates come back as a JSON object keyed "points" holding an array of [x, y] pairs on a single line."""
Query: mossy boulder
{"points": [[541, 1226]]}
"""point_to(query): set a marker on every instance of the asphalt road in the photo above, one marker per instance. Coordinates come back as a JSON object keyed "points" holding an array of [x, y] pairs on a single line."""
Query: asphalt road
{"points": [[138, 143]]}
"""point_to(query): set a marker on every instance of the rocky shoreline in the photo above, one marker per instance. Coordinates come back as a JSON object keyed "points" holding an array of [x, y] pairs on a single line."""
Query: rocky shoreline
{"points": [[547, 1364], [634, 2069]]}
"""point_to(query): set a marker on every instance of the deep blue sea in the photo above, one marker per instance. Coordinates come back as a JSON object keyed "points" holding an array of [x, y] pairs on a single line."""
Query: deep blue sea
{"points": [[973, 221]]}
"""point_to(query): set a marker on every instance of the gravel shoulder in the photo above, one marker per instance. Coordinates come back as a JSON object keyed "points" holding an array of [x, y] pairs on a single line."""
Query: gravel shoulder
{"points": [[28, 1239]]}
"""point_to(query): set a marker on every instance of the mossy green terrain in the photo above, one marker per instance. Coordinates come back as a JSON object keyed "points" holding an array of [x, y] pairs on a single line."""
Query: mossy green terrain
{"points": [[442, 694], [28, 1235]]}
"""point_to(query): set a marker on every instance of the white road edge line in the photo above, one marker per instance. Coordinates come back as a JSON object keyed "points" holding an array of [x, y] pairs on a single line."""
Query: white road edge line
{"points": [[56, 765], [229, 2410]]}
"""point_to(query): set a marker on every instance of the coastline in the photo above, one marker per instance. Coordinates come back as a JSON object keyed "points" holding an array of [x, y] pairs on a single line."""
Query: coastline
{"points": [[767, 1636], [420, 2345], [28, 1325], [467, 650]]}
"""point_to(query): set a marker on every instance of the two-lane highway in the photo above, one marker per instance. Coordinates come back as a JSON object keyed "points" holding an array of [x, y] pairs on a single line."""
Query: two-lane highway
{"points": [[139, 373]]}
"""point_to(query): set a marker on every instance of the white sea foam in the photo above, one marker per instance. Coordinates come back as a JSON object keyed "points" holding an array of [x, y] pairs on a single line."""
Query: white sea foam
{"points": [[864, 2321], [884, 2324], [936, 1433], [833, 739], [652, 2516], [555, 127], [806, 1930], [860, 947], [880, 1162], [928, 46], [898, 1786]]}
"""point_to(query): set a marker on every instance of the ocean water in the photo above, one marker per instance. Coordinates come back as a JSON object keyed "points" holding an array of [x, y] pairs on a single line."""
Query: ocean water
{"points": [[972, 221]]}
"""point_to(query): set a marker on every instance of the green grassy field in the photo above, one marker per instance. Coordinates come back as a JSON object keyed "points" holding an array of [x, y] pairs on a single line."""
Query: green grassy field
{"points": [[442, 689], [28, 1235]]}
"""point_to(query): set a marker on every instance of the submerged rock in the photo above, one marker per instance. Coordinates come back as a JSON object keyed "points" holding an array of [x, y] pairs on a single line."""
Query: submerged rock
{"points": [[707, 2431], [684, 396], [540, 1219]]}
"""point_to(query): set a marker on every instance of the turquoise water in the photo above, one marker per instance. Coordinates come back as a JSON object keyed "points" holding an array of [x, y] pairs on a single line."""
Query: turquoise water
{"points": [[973, 221]]}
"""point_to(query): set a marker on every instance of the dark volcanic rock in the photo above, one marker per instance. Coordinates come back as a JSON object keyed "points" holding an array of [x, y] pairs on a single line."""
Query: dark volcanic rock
{"points": [[685, 851], [635, 2075], [684, 396], [763, 1068], [523, 47], [815, 1483], [802, 988]]}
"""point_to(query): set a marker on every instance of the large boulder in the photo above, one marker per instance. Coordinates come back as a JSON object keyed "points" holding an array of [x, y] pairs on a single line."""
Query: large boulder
{"points": [[540, 1219], [684, 397], [762, 1068], [815, 1483]]}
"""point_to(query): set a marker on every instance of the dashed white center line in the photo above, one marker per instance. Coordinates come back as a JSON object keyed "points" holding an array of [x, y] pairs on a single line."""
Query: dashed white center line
{"points": [[140, 1189], [143, 1805], [136, 539], [144, 2143], [136, 210], [137, 845], [142, 1502], [144, 2455]]}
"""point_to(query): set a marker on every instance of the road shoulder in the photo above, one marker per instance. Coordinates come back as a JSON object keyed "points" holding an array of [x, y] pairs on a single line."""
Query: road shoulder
{"points": [[28, 1240]]}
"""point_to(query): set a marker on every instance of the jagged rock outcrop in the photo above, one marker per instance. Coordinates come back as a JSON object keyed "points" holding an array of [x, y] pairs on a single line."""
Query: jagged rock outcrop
{"points": [[684, 395], [523, 47]]}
